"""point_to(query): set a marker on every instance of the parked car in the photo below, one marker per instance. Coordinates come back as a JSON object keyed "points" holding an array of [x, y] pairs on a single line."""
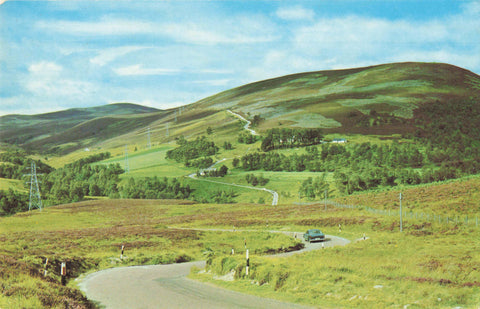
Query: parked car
{"points": [[314, 235]]}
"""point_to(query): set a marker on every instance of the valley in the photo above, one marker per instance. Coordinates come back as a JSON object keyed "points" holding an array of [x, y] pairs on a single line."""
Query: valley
{"points": [[329, 149]]}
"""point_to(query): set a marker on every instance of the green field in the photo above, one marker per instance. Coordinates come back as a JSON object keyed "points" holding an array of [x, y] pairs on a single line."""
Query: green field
{"points": [[14, 184]]}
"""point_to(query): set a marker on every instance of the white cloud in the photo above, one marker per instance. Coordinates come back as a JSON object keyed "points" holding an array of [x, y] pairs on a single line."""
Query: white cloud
{"points": [[357, 40], [239, 30], [110, 54], [105, 26], [137, 69], [215, 34], [295, 13], [213, 82], [45, 69], [46, 81]]}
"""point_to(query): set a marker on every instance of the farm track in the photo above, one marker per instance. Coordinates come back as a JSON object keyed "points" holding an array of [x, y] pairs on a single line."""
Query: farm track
{"points": [[167, 286]]}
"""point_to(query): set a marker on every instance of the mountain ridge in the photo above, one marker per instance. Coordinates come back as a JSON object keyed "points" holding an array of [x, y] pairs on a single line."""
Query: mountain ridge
{"points": [[382, 99]]}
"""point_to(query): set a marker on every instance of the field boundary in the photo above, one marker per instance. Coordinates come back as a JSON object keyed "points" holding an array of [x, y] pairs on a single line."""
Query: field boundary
{"points": [[432, 218]]}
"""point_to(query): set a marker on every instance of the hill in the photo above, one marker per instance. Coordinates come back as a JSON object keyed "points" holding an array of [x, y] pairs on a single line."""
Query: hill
{"points": [[397, 98], [75, 128], [379, 99]]}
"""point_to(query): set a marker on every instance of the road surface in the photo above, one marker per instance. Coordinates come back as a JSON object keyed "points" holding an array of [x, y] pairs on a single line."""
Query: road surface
{"points": [[167, 286]]}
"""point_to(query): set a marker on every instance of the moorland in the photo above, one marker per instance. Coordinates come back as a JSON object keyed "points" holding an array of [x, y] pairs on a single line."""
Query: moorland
{"points": [[337, 147]]}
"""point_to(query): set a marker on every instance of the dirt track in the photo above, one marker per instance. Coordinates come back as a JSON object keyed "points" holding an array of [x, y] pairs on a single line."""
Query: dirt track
{"points": [[166, 286]]}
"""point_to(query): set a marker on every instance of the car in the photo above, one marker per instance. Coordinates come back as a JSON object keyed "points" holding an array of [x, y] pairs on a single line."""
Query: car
{"points": [[314, 235]]}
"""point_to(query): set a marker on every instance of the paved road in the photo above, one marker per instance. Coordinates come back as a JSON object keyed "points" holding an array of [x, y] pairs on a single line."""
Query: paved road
{"points": [[166, 286]]}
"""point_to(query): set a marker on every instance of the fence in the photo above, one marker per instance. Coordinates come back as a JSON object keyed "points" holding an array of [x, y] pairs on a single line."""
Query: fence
{"points": [[432, 218]]}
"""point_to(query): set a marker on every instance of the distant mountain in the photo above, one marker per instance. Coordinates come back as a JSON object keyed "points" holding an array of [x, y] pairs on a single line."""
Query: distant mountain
{"points": [[47, 132]]}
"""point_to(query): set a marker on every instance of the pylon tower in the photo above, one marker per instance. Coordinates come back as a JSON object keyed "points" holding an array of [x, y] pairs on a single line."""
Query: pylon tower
{"points": [[35, 197], [127, 168], [149, 144]]}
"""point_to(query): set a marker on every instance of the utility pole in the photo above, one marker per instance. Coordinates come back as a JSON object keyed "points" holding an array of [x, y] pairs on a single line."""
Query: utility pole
{"points": [[326, 192], [35, 198], [149, 144], [127, 168], [401, 220], [167, 131]]}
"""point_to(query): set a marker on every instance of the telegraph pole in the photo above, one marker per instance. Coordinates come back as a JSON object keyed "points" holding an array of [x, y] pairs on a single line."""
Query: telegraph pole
{"points": [[326, 192], [401, 220], [35, 200]]}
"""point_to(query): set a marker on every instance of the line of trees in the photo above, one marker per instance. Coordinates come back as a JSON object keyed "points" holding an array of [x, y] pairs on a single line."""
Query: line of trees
{"points": [[79, 179], [15, 164], [155, 188], [287, 138], [189, 150], [365, 166], [12, 202], [256, 180]]}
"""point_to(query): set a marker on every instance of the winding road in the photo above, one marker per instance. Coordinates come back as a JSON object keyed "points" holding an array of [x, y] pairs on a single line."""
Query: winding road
{"points": [[167, 286], [246, 127]]}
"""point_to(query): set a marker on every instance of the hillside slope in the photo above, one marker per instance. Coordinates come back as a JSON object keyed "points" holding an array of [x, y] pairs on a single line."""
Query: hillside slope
{"points": [[73, 128], [398, 98], [377, 99]]}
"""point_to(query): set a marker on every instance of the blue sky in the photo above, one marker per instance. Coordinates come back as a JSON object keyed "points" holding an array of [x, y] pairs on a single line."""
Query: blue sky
{"points": [[56, 55]]}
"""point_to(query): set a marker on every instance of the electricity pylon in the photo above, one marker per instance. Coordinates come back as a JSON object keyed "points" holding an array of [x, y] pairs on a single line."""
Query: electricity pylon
{"points": [[149, 144], [127, 168], [35, 198]]}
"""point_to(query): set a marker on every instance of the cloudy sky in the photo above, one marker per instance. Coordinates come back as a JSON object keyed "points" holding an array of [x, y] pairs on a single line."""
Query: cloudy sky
{"points": [[62, 54]]}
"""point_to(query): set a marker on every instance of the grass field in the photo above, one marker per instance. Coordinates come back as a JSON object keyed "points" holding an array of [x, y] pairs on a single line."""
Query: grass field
{"points": [[453, 197], [14, 184]]}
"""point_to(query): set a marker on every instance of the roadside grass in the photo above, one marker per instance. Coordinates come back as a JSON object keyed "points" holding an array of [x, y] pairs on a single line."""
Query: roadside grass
{"points": [[427, 266], [452, 197]]}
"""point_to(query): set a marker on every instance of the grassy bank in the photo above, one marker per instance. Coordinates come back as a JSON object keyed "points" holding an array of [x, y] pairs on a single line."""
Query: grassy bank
{"points": [[425, 267]]}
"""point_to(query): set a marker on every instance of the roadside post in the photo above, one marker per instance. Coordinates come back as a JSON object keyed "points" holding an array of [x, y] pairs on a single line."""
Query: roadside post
{"points": [[45, 268], [121, 254], [63, 272], [401, 219], [326, 192], [248, 264]]}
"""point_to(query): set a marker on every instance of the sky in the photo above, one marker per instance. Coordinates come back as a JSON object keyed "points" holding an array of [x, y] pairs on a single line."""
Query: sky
{"points": [[56, 55]]}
